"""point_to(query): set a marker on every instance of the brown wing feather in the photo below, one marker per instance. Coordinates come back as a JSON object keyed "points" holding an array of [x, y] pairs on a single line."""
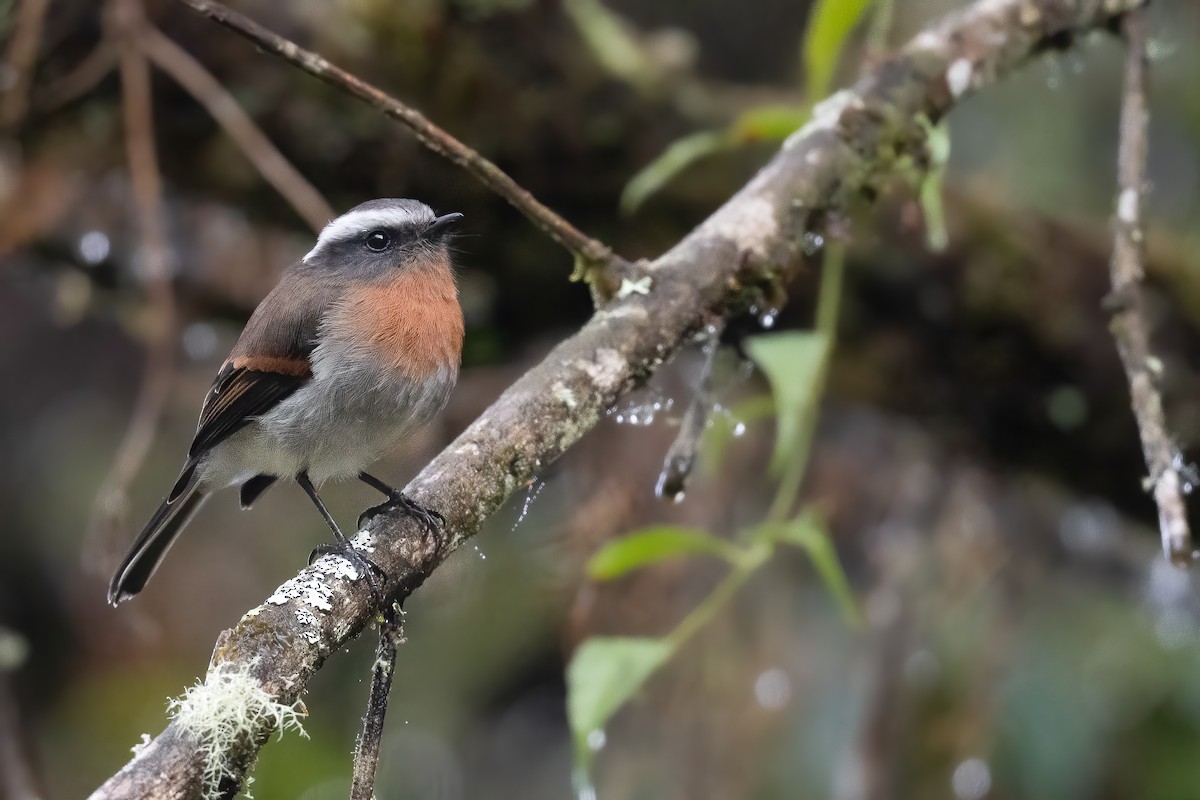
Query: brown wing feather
{"points": [[270, 360], [237, 396]]}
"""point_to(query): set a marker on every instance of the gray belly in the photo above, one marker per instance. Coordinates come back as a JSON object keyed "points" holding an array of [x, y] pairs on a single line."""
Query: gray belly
{"points": [[333, 427]]}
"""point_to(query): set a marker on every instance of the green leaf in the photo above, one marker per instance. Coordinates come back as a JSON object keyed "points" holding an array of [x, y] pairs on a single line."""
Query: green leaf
{"points": [[770, 123], [794, 363], [937, 140], [603, 674], [655, 544], [612, 41], [829, 23], [809, 532], [679, 155]]}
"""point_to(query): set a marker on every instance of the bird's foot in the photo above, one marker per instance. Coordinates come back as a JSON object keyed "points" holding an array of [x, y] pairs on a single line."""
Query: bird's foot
{"points": [[433, 522], [371, 572]]}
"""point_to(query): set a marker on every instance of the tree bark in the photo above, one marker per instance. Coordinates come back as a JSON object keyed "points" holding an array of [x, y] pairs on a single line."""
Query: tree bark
{"points": [[741, 254]]}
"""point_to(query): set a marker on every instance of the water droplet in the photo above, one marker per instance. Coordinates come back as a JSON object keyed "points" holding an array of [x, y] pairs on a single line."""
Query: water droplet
{"points": [[773, 689], [482, 555], [596, 739], [531, 494], [642, 411], [972, 779], [678, 498], [739, 429], [813, 242], [768, 317], [93, 247]]}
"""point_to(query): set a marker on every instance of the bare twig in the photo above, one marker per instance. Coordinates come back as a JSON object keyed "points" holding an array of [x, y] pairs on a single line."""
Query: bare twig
{"points": [[80, 80], [752, 242], [254, 144], [581, 245], [109, 513], [366, 755], [1129, 325], [20, 58], [681, 455]]}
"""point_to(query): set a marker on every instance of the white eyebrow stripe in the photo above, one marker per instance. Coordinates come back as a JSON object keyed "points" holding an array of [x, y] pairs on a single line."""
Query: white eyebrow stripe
{"points": [[356, 222]]}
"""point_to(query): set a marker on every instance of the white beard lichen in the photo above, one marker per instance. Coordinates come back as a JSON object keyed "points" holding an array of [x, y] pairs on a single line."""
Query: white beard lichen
{"points": [[228, 706]]}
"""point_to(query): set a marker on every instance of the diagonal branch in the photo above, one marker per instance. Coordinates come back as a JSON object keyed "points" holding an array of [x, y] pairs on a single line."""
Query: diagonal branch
{"points": [[584, 248], [254, 144], [747, 246], [1129, 325]]}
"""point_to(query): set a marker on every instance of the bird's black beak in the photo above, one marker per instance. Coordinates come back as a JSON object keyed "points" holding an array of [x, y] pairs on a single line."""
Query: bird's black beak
{"points": [[441, 225]]}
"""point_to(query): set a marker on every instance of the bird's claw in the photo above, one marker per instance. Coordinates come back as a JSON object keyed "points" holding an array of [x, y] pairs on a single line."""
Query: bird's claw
{"points": [[432, 521]]}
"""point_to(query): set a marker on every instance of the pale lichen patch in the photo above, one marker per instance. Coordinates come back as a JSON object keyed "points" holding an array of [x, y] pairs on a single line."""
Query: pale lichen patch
{"points": [[958, 77], [564, 395], [606, 370], [1127, 206], [228, 709], [640, 286]]}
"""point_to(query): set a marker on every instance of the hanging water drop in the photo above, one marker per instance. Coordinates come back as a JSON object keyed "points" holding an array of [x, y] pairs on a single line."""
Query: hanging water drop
{"points": [[813, 242], [531, 494]]}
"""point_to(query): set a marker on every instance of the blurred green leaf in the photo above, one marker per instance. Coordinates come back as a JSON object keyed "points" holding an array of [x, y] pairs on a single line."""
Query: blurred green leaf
{"points": [[604, 673], [770, 123], [829, 23], [808, 531], [655, 544], [937, 140], [611, 40], [793, 363], [679, 155]]}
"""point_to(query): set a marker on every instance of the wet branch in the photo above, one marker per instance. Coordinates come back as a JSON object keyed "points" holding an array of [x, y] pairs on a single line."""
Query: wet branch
{"points": [[1129, 326], [748, 246], [366, 754], [439, 141]]}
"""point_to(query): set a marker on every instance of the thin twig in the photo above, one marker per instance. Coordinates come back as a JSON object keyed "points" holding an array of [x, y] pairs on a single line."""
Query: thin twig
{"points": [[109, 512], [82, 78], [254, 144], [366, 754], [1129, 326], [20, 58], [584, 247], [681, 456]]}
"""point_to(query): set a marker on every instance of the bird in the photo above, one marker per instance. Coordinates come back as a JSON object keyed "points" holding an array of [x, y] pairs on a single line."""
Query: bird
{"points": [[355, 348]]}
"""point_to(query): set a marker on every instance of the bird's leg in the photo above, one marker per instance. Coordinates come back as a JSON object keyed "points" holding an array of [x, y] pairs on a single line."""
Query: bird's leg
{"points": [[434, 522], [342, 546]]}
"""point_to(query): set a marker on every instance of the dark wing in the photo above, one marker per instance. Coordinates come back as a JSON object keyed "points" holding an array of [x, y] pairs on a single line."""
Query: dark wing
{"points": [[237, 396], [269, 362]]}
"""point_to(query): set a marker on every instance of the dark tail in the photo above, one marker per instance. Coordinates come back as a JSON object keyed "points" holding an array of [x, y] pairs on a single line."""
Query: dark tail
{"points": [[156, 538]]}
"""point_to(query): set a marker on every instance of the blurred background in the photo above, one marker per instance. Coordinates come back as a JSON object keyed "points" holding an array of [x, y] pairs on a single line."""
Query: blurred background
{"points": [[975, 459]]}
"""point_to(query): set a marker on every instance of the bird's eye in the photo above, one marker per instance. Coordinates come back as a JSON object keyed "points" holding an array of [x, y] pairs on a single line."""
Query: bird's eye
{"points": [[378, 241]]}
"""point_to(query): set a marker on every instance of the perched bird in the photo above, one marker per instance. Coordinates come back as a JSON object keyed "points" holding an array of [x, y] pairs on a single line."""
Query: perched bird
{"points": [[356, 347]]}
